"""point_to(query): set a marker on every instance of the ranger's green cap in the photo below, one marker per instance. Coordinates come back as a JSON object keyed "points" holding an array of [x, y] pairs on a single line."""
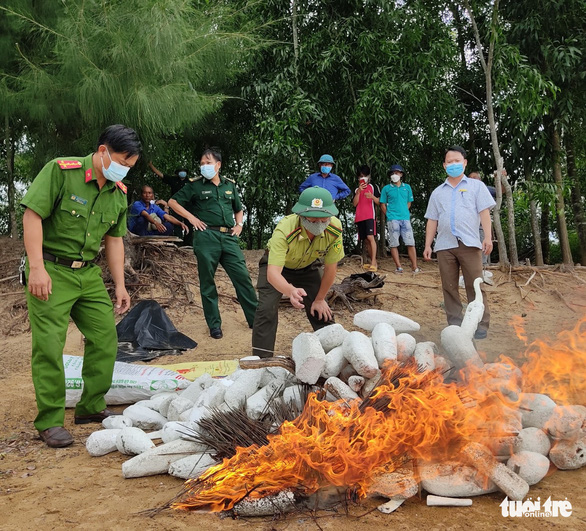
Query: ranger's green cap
{"points": [[315, 202]]}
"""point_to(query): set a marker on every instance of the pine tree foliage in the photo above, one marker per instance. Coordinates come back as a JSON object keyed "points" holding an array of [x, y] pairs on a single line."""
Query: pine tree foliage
{"points": [[151, 64]]}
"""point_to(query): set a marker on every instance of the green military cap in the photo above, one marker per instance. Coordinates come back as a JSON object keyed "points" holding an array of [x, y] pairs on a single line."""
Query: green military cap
{"points": [[315, 202]]}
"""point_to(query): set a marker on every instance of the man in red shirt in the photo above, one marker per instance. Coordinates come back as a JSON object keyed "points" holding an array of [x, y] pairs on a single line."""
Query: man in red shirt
{"points": [[366, 196]]}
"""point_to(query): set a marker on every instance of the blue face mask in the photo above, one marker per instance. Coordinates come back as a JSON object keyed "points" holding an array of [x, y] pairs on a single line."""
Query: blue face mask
{"points": [[115, 172], [208, 170], [455, 170], [182, 174], [325, 169]]}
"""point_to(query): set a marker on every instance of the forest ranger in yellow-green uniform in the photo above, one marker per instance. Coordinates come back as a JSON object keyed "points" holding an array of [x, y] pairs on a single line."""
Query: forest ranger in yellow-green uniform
{"points": [[292, 266], [70, 206]]}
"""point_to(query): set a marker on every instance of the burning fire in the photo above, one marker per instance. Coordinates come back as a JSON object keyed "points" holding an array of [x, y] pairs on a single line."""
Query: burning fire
{"points": [[517, 323], [558, 368], [410, 415], [346, 445]]}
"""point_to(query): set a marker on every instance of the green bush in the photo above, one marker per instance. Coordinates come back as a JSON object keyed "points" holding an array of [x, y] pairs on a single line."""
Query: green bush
{"points": [[555, 250]]}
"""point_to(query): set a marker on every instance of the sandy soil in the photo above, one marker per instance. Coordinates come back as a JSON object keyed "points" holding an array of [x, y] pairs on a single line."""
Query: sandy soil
{"points": [[43, 488]]}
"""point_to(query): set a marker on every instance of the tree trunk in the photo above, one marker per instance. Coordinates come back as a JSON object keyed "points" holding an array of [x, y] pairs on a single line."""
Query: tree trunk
{"points": [[382, 239], [295, 39], [560, 205], [259, 237], [534, 222], [247, 231], [500, 178], [576, 197], [498, 228], [545, 232], [11, 190], [513, 253]]}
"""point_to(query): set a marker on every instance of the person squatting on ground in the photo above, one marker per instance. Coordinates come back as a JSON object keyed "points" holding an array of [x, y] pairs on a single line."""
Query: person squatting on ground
{"points": [[70, 206], [212, 205], [366, 196], [455, 211], [324, 178], [148, 219], [395, 202], [291, 266]]}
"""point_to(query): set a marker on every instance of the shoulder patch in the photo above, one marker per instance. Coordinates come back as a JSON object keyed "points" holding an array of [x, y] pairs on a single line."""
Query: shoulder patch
{"points": [[69, 164], [122, 186], [335, 231], [291, 236]]}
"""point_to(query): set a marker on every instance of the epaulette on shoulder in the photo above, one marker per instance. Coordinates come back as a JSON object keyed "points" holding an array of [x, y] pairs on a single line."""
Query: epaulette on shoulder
{"points": [[333, 230], [193, 179], [228, 179], [292, 235], [69, 164], [122, 187]]}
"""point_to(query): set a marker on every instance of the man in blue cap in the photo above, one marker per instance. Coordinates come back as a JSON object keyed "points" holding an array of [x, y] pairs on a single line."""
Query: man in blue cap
{"points": [[324, 178], [395, 202]]}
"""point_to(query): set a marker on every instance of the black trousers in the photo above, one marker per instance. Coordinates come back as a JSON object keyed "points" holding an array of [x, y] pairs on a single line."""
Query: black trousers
{"points": [[266, 319]]}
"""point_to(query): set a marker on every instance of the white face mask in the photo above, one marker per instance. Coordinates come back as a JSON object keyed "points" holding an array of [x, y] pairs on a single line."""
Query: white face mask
{"points": [[395, 177], [314, 227]]}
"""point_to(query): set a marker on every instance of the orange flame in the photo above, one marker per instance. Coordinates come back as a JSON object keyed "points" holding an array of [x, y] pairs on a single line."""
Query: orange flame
{"points": [[519, 326], [558, 368], [409, 415], [346, 445]]}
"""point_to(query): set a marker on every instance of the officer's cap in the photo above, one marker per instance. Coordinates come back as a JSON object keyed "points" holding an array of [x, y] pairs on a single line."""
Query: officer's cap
{"points": [[315, 202]]}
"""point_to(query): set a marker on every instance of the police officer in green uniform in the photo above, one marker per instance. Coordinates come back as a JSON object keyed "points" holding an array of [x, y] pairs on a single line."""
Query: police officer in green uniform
{"points": [[73, 203], [212, 205], [292, 266]]}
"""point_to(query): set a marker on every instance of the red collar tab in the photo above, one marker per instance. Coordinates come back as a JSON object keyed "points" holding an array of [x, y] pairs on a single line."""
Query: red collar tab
{"points": [[69, 164], [122, 186], [88, 175]]}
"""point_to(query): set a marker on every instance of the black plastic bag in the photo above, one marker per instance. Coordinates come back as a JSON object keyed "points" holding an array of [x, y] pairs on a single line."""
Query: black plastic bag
{"points": [[147, 333]]}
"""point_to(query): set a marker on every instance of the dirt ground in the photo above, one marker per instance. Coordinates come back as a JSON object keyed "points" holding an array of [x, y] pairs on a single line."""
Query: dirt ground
{"points": [[44, 488]]}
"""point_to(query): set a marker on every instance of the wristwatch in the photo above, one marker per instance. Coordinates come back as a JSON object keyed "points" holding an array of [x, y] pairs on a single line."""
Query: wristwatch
{"points": [[240, 224]]}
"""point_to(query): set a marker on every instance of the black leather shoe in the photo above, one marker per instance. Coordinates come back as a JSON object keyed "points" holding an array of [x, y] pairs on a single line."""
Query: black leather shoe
{"points": [[216, 333], [94, 417], [56, 437], [480, 334]]}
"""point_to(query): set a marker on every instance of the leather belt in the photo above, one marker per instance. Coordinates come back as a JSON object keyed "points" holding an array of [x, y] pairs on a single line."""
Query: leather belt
{"points": [[73, 264], [219, 229]]}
